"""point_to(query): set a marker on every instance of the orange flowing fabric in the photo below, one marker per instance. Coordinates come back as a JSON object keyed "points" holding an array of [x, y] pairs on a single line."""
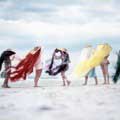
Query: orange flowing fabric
{"points": [[25, 66]]}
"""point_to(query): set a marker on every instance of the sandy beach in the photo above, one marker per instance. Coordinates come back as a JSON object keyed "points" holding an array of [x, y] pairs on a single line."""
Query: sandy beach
{"points": [[51, 101], [67, 36]]}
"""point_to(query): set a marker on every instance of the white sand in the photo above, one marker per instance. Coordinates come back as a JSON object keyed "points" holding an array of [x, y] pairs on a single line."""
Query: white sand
{"points": [[51, 101]]}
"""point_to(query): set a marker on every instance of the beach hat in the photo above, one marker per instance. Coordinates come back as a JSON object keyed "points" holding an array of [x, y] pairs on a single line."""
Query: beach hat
{"points": [[9, 49], [63, 49], [88, 45]]}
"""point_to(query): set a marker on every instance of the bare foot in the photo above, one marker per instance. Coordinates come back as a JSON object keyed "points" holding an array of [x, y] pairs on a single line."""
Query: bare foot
{"points": [[104, 83], [63, 85], [36, 86], [68, 83], [108, 83], [85, 84], [96, 83], [5, 86]]}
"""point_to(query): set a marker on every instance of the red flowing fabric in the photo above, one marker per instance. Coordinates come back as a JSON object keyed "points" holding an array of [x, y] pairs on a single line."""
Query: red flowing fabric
{"points": [[25, 66]]}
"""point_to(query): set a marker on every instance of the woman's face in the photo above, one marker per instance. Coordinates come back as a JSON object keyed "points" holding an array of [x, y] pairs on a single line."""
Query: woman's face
{"points": [[58, 54]]}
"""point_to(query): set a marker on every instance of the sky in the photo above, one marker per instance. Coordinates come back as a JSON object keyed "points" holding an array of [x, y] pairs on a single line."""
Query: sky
{"points": [[59, 23]]}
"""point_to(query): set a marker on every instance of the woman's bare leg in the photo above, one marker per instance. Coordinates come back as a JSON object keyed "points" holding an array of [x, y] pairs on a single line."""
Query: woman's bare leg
{"points": [[63, 78], [96, 81], [108, 79], [105, 81], [104, 75], [37, 76], [68, 81], [86, 79], [5, 83]]}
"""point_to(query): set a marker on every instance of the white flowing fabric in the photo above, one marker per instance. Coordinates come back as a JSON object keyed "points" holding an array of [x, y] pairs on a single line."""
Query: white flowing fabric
{"points": [[86, 53]]}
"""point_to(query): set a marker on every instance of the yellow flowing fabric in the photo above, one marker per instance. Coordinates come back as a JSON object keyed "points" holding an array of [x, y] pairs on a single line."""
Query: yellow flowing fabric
{"points": [[96, 58]]}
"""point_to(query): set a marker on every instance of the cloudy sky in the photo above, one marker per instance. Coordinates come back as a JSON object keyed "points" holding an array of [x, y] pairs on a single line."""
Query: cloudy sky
{"points": [[59, 23]]}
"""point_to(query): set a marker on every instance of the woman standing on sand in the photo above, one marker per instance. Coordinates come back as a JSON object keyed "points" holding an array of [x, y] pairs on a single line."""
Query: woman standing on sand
{"points": [[61, 56], [104, 67], [6, 59], [26, 65], [85, 55], [38, 68]]}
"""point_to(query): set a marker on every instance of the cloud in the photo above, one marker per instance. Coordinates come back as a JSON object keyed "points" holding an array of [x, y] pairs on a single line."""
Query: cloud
{"points": [[58, 23], [67, 11], [56, 34]]}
